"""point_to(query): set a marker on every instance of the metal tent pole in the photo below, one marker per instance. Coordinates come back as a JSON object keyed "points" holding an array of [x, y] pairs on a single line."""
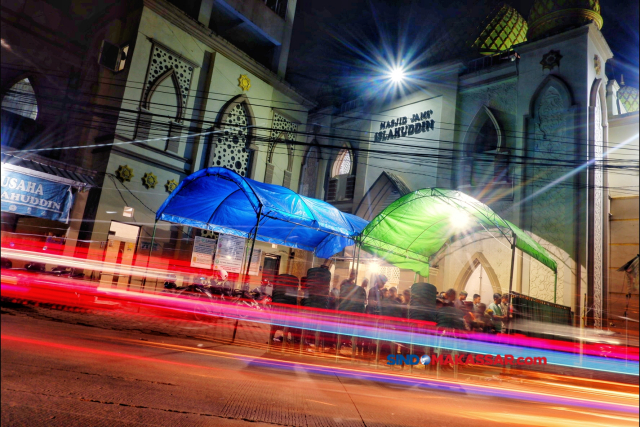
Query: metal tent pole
{"points": [[246, 275], [340, 317], [153, 238], [354, 337], [356, 259], [513, 260], [555, 287], [253, 242]]}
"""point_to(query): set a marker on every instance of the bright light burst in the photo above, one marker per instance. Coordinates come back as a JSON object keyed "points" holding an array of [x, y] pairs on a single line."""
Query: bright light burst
{"points": [[397, 75], [459, 220]]}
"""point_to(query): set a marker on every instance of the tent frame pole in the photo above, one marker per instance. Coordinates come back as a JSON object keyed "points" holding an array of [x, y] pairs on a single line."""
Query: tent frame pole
{"points": [[153, 239], [356, 259], [246, 275], [253, 242], [555, 287], [513, 261]]}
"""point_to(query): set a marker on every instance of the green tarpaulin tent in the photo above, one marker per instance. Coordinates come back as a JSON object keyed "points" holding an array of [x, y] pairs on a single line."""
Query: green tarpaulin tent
{"points": [[413, 228]]}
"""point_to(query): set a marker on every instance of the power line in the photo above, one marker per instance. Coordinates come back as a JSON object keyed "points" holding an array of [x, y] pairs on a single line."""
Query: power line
{"points": [[118, 119], [514, 132]]}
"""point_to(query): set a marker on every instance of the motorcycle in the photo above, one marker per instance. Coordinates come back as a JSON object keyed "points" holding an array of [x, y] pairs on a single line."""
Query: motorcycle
{"points": [[205, 306], [255, 300]]}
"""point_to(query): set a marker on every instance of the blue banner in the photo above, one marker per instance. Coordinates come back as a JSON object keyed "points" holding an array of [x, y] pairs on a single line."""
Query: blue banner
{"points": [[27, 195]]}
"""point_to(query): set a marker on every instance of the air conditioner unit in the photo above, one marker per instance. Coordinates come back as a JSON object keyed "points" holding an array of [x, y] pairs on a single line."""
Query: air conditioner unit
{"points": [[113, 56]]}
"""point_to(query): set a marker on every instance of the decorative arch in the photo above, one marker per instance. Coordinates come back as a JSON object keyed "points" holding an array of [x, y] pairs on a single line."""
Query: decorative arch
{"points": [[169, 74], [482, 117], [20, 97], [551, 81], [344, 162], [485, 159], [470, 266], [281, 138], [598, 91], [223, 117], [310, 169], [233, 135], [314, 144]]}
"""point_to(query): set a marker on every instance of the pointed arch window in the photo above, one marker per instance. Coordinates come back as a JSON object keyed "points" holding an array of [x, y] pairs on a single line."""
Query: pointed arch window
{"points": [[21, 100], [309, 174], [231, 145], [486, 159], [485, 134], [487, 138], [343, 164]]}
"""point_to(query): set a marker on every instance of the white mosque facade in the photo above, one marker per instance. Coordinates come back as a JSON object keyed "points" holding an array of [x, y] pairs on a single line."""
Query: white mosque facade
{"points": [[531, 131]]}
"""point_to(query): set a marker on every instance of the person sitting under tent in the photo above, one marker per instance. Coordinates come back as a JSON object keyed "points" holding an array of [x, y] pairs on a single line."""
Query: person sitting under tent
{"points": [[478, 320]]}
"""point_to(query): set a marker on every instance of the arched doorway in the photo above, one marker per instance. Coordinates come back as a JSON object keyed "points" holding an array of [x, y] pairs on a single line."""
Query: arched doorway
{"points": [[477, 276], [478, 283]]}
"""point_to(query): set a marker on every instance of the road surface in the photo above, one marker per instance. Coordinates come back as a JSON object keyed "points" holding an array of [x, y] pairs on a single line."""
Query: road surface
{"points": [[60, 374]]}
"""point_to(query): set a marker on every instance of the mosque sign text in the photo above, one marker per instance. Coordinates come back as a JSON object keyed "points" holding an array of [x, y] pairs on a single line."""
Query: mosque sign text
{"points": [[405, 126]]}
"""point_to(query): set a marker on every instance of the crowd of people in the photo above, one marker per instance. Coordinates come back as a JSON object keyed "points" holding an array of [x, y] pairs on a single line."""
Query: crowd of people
{"points": [[450, 310], [458, 313], [453, 310]]}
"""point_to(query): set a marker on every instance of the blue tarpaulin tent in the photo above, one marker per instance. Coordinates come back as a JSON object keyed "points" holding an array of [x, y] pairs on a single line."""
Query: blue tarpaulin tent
{"points": [[220, 200]]}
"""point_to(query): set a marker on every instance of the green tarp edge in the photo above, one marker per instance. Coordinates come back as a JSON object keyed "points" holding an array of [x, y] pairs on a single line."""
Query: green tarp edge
{"points": [[526, 244]]}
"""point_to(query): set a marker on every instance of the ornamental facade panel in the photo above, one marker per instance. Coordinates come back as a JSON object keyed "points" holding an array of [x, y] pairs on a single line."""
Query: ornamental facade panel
{"points": [[598, 215], [231, 150], [162, 63]]}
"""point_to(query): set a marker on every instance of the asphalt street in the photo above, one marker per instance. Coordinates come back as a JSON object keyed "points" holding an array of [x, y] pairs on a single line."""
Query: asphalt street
{"points": [[56, 373]]}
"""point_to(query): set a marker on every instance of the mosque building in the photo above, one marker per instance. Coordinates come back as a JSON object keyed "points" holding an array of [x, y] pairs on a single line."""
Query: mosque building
{"points": [[520, 115]]}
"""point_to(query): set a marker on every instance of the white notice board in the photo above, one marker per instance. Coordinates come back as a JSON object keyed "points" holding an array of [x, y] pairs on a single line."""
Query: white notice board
{"points": [[256, 261], [203, 250], [230, 253]]}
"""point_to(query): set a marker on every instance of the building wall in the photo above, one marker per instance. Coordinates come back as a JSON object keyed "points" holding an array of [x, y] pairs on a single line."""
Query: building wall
{"points": [[623, 149], [208, 82], [624, 245], [417, 165]]}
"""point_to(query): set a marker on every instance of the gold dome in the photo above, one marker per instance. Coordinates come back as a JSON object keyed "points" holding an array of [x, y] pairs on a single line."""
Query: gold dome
{"points": [[548, 17], [505, 28]]}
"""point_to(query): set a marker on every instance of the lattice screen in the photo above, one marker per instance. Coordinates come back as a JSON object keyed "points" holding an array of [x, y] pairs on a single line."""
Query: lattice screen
{"points": [[231, 151], [392, 273]]}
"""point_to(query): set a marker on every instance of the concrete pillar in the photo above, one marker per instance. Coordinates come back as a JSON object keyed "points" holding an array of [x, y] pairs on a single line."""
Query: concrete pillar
{"points": [[612, 97], [75, 221], [281, 54], [204, 14]]}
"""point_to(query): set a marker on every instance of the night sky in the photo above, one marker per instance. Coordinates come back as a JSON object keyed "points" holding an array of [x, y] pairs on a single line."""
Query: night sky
{"points": [[337, 41]]}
